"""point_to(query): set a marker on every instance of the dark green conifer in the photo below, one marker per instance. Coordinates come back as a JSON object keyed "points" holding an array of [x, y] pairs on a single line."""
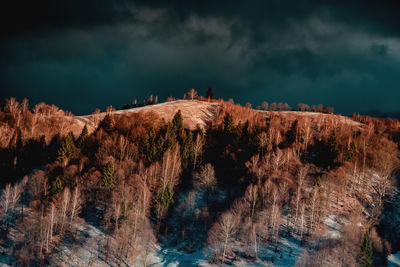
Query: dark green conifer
{"points": [[66, 149], [82, 137], [108, 176], [170, 137], [168, 197], [106, 124], [366, 251], [187, 150], [290, 137], [210, 93], [333, 146], [351, 152], [177, 124], [318, 184], [228, 124], [56, 186]]}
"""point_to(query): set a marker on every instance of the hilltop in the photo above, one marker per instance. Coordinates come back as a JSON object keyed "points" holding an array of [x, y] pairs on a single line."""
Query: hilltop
{"points": [[196, 114]]}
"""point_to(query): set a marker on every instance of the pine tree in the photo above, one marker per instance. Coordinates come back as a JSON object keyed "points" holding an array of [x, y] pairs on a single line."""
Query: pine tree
{"points": [[56, 186], [187, 150], [366, 250], [318, 184], [106, 123], [168, 197], [108, 176], [152, 146], [177, 124], [210, 93], [291, 134], [351, 152], [170, 137], [328, 151], [66, 149], [228, 124], [82, 138], [333, 149]]}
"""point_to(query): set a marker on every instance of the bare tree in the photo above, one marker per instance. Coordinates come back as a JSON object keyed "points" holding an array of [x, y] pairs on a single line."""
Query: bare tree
{"points": [[302, 173], [313, 203], [286, 106], [264, 105], [263, 142], [222, 234], [8, 201], [197, 149], [123, 147], [303, 107], [192, 94], [66, 197], [168, 176], [6, 198], [76, 203], [205, 178], [250, 196], [278, 159], [302, 220]]}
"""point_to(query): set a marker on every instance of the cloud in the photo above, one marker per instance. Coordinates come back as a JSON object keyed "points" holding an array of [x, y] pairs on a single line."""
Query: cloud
{"points": [[110, 52]]}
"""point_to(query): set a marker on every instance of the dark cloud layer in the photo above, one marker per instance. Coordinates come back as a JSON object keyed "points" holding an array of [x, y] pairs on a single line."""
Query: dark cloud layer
{"points": [[86, 54]]}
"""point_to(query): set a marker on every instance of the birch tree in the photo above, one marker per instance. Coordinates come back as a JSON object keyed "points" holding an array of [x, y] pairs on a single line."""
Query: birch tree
{"points": [[76, 203], [222, 234]]}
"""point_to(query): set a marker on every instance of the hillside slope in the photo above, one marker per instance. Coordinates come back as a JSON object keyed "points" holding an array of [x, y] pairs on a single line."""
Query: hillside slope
{"points": [[197, 113]]}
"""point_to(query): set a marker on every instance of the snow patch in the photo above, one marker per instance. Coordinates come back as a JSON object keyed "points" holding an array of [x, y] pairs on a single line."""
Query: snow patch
{"points": [[334, 226], [394, 260]]}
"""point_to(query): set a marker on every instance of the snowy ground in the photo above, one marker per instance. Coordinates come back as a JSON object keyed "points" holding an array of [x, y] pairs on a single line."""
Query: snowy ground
{"points": [[86, 248], [287, 254], [334, 226], [394, 260]]}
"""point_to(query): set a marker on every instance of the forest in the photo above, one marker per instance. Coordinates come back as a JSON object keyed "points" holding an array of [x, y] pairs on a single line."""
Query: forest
{"points": [[237, 188]]}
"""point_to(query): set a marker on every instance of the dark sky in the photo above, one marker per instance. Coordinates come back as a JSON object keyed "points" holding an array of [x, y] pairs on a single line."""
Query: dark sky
{"points": [[81, 55]]}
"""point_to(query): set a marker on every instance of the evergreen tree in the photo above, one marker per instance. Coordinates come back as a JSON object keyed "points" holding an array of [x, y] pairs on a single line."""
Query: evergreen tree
{"points": [[333, 148], [82, 138], [237, 136], [351, 152], [228, 124], [170, 137], [106, 124], [318, 184], [187, 150], [177, 124], [56, 186], [66, 149], [108, 176], [366, 251], [245, 133], [152, 146], [168, 197], [210, 93], [290, 137], [328, 151]]}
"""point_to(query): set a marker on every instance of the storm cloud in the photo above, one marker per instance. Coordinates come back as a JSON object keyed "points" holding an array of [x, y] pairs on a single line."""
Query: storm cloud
{"points": [[81, 55]]}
